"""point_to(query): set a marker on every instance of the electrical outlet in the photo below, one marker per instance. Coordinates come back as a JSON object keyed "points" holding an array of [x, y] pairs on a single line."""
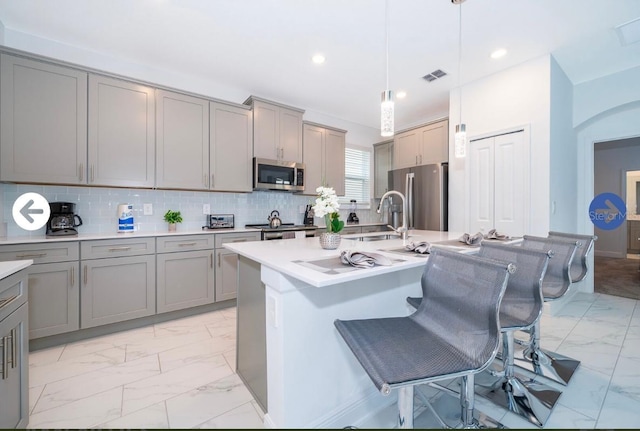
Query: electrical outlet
{"points": [[147, 209], [206, 209]]}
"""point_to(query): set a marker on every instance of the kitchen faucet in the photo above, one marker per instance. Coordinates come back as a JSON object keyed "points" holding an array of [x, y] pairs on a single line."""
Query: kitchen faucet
{"points": [[404, 229]]}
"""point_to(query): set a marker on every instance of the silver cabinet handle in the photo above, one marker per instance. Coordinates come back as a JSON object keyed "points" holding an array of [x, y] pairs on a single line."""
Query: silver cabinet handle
{"points": [[7, 301], [81, 171], [73, 276], [204, 181], [30, 256], [5, 358], [14, 347], [416, 159], [119, 248], [186, 244], [91, 173], [85, 275], [212, 182], [219, 259], [282, 153], [211, 260]]}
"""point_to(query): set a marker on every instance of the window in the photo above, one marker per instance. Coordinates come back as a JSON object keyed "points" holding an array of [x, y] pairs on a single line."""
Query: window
{"points": [[357, 173]]}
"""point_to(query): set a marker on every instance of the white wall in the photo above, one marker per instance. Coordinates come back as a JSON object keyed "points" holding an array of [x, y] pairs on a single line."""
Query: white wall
{"points": [[563, 154], [513, 98], [2, 30]]}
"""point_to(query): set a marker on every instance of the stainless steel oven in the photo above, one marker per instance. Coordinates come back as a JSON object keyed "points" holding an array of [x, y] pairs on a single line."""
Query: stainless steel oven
{"points": [[284, 231]]}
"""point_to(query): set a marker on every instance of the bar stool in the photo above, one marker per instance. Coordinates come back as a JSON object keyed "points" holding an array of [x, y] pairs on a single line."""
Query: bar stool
{"points": [[453, 333], [520, 308], [579, 265], [555, 285]]}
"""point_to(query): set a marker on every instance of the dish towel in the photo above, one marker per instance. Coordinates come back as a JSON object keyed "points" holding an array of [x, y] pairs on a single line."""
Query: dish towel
{"points": [[471, 240], [419, 247], [361, 259], [493, 234]]}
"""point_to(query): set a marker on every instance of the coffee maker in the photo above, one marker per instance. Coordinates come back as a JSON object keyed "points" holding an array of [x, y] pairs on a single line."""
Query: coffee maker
{"points": [[63, 220], [308, 216]]}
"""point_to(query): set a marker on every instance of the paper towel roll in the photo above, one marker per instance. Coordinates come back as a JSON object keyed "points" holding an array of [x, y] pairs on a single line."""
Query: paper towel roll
{"points": [[125, 218]]}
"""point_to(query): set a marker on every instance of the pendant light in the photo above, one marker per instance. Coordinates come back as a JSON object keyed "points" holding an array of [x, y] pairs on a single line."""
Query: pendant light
{"points": [[387, 105], [460, 146]]}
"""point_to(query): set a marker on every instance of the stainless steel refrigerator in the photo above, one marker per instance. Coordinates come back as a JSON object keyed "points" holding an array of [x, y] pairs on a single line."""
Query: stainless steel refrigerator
{"points": [[426, 190]]}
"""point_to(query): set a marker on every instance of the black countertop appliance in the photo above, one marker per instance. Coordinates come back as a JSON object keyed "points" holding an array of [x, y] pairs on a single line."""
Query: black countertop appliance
{"points": [[63, 219]]}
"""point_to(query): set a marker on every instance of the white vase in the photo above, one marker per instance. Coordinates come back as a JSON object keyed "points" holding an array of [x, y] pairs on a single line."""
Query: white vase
{"points": [[330, 240]]}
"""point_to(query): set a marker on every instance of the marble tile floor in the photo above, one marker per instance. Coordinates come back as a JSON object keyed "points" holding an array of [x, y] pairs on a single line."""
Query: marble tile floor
{"points": [[180, 374]]}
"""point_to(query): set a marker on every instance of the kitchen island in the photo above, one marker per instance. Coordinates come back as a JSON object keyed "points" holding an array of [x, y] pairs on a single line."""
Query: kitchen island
{"points": [[288, 352]]}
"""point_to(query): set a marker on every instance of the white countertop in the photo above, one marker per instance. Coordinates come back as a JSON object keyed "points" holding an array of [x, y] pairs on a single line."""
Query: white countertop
{"points": [[117, 235], [290, 256], [11, 267]]}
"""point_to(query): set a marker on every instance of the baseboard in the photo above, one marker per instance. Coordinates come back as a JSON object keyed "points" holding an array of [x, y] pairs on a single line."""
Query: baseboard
{"points": [[359, 413]]}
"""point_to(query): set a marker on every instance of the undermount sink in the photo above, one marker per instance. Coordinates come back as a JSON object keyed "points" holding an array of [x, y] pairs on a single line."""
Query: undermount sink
{"points": [[377, 237]]}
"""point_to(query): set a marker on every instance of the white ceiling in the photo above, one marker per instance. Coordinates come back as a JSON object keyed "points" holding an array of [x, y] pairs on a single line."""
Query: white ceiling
{"points": [[265, 46]]}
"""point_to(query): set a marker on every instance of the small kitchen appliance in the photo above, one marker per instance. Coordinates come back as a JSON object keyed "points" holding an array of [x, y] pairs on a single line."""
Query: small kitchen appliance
{"points": [[219, 221], [353, 218], [274, 219], [308, 216], [63, 219]]}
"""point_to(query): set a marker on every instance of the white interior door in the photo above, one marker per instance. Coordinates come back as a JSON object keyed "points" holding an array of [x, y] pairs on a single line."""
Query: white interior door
{"points": [[481, 185]]}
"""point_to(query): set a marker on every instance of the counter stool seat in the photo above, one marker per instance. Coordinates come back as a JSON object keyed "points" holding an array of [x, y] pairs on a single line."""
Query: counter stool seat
{"points": [[455, 333]]}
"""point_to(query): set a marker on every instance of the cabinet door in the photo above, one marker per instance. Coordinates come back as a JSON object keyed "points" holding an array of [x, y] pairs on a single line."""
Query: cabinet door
{"points": [[231, 147], [226, 275], [14, 382], [43, 122], [334, 160], [481, 189], [182, 141], [117, 289], [266, 131], [313, 139], [405, 149], [121, 133], [290, 134], [54, 299], [510, 193], [185, 280], [383, 163], [434, 143]]}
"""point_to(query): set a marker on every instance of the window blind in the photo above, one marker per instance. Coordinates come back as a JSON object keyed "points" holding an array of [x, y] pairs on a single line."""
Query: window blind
{"points": [[357, 173]]}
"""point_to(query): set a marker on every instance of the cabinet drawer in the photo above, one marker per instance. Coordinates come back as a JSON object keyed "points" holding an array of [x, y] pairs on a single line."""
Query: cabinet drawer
{"points": [[184, 243], [223, 238], [41, 252], [13, 292], [117, 248]]}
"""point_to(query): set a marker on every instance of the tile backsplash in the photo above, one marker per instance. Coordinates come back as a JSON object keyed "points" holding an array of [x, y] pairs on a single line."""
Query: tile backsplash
{"points": [[97, 207]]}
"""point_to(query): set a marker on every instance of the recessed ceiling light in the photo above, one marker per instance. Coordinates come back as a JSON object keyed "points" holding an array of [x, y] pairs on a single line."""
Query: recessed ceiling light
{"points": [[318, 59], [401, 94], [498, 53]]}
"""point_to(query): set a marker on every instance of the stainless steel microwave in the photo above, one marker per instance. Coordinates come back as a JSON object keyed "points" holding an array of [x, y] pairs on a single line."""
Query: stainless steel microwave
{"points": [[277, 175]]}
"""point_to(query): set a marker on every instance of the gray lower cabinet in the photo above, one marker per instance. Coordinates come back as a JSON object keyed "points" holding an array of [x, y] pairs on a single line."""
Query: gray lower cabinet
{"points": [[119, 287], [14, 365], [43, 122], [227, 264], [185, 271], [54, 285]]}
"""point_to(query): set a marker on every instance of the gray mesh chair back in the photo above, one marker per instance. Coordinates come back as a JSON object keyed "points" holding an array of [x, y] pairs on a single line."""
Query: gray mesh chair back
{"points": [[454, 333], [579, 267], [557, 279], [522, 302]]}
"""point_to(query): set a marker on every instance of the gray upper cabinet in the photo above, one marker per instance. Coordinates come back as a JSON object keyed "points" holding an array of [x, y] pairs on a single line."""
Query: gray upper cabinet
{"points": [[182, 141], [121, 133], [43, 122], [277, 131], [323, 158], [422, 146], [231, 147], [382, 164]]}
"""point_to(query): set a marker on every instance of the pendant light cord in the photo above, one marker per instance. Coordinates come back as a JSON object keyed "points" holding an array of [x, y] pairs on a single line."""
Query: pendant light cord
{"points": [[386, 26], [460, 61]]}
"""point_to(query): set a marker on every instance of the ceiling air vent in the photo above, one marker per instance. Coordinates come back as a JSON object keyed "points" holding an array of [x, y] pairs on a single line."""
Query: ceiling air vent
{"points": [[430, 77]]}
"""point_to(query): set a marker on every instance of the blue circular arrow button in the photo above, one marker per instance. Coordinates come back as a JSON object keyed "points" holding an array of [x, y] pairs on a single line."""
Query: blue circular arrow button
{"points": [[607, 211]]}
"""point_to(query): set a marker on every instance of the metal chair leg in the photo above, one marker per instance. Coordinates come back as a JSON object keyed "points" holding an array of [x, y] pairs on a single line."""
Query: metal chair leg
{"points": [[525, 397], [545, 363], [405, 407]]}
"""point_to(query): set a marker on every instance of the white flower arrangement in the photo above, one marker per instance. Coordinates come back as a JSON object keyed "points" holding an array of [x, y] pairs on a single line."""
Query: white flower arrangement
{"points": [[327, 206]]}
